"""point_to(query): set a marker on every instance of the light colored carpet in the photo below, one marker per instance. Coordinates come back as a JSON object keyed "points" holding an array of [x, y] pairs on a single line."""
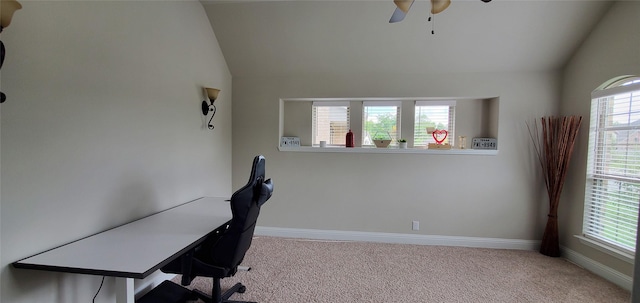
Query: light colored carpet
{"points": [[296, 270]]}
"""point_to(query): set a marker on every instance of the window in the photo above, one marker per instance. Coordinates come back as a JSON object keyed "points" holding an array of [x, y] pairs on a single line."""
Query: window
{"points": [[433, 114], [330, 122], [313, 120], [380, 120], [612, 192]]}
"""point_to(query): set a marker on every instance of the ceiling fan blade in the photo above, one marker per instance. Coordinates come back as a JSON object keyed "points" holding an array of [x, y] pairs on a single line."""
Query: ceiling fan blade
{"points": [[398, 15], [403, 5], [402, 8], [438, 6]]}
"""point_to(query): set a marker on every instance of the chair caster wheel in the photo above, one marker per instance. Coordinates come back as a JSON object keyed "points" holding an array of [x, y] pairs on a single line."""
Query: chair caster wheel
{"points": [[242, 289]]}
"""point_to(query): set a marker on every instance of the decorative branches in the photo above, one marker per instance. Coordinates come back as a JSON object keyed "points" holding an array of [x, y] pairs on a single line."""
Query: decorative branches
{"points": [[554, 143]]}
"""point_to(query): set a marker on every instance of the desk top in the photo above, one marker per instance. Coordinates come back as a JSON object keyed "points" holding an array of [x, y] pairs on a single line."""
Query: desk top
{"points": [[137, 249]]}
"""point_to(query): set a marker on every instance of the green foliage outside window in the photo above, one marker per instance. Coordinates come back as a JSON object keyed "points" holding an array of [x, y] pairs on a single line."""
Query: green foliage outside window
{"points": [[386, 123]]}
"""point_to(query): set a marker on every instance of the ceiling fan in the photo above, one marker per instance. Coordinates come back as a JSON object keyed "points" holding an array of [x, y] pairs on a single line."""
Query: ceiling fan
{"points": [[403, 6]]}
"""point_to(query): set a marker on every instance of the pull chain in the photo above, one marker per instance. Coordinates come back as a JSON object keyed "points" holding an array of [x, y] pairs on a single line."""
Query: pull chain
{"points": [[432, 23]]}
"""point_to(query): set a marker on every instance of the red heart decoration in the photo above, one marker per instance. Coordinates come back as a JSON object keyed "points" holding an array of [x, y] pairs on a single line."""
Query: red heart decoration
{"points": [[440, 135]]}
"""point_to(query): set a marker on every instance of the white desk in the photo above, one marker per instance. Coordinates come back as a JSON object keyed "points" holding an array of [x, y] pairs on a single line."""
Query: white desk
{"points": [[137, 249]]}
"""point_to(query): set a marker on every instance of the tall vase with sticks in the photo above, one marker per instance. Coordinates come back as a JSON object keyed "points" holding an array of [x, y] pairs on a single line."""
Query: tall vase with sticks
{"points": [[553, 140]]}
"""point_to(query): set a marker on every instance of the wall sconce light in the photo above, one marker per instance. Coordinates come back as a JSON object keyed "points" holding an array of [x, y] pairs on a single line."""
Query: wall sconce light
{"points": [[212, 94], [7, 8]]}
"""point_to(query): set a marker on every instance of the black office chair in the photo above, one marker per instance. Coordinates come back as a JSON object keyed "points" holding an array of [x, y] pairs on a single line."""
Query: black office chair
{"points": [[221, 253]]}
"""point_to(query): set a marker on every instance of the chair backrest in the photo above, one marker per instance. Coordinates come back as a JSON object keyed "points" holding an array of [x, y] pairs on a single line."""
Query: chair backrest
{"points": [[229, 251]]}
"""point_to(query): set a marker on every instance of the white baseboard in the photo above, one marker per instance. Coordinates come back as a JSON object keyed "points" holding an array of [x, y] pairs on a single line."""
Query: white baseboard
{"points": [[598, 268], [398, 238]]}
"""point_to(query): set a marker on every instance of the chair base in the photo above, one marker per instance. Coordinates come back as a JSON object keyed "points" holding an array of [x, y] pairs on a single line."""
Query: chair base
{"points": [[223, 298]]}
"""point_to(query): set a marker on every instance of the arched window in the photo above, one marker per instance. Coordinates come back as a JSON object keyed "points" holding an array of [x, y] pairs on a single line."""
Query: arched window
{"points": [[612, 194]]}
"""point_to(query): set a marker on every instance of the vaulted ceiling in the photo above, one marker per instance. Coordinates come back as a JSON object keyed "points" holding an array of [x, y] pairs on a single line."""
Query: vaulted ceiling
{"points": [[306, 37]]}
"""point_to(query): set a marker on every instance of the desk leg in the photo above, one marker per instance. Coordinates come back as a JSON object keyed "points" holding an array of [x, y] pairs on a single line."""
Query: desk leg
{"points": [[124, 290]]}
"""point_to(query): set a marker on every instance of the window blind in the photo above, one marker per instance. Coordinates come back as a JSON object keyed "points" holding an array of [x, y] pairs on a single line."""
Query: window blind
{"points": [[380, 119], [612, 192], [437, 114], [330, 122]]}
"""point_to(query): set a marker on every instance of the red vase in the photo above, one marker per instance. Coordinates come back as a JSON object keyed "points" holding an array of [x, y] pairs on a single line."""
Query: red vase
{"points": [[350, 140]]}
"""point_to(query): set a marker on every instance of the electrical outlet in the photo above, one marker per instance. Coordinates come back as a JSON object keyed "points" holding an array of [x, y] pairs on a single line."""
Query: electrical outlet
{"points": [[415, 225]]}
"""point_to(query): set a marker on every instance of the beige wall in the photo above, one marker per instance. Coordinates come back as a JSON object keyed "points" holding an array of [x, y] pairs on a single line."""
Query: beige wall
{"points": [[612, 49], [298, 123], [477, 196], [102, 126]]}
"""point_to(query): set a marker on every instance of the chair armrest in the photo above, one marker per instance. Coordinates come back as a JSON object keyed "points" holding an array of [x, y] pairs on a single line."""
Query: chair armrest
{"points": [[182, 266], [206, 269], [265, 192]]}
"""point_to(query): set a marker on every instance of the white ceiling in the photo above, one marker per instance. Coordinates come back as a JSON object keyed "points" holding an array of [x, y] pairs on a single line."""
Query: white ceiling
{"points": [[306, 37]]}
